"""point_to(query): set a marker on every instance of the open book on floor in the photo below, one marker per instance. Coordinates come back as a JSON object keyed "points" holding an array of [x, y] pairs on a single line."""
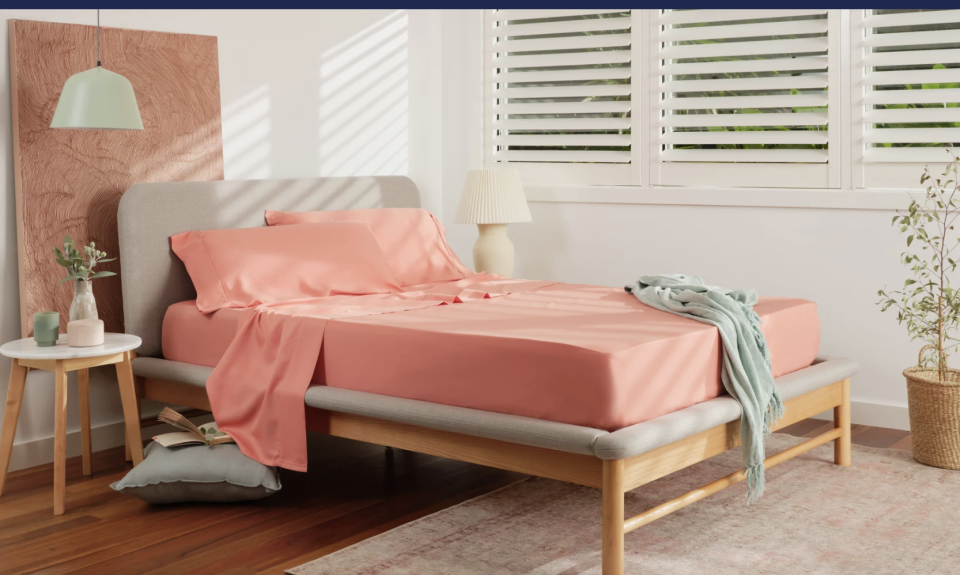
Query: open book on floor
{"points": [[207, 434]]}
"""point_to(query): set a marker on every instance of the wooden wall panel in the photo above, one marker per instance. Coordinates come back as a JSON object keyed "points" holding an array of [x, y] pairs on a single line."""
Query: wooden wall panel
{"points": [[70, 181]]}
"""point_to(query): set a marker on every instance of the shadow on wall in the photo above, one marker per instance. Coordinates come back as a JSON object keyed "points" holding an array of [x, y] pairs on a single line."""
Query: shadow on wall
{"points": [[364, 101], [352, 112], [246, 136]]}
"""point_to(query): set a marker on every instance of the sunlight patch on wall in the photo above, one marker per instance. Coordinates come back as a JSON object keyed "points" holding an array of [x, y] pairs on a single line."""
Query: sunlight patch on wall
{"points": [[246, 136], [364, 101]]}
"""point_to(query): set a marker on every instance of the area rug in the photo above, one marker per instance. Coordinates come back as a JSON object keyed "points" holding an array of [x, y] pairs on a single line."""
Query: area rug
{"points": [[885, 515]]}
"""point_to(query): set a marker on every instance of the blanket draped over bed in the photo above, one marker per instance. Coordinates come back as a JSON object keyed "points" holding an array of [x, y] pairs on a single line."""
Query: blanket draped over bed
{"points": [[746, 364], [257, 389]]}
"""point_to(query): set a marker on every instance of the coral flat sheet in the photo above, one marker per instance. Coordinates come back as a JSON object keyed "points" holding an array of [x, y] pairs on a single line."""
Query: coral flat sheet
{"points": [[257, 389], [585, 355]]}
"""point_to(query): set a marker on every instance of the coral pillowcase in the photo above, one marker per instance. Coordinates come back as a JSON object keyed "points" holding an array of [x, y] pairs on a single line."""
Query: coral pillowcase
{"points": [[246, 267], [411, 239]]}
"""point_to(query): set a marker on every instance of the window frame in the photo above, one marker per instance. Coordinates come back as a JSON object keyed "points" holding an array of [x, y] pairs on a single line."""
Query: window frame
{"points": [[874, 175], [850, 183], [746, 175], [610, 174]]}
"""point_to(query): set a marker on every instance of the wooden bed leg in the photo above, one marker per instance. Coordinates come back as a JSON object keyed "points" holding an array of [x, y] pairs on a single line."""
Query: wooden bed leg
{"points": [[841, 419], [613, 517]]}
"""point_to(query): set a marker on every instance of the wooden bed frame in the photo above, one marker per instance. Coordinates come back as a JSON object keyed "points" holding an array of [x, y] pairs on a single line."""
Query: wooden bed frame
{"points": [[153, 279], [614, 477]]}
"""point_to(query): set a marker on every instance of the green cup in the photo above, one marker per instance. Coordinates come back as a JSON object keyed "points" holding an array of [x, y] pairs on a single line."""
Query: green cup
{"points": [[46, 328]]}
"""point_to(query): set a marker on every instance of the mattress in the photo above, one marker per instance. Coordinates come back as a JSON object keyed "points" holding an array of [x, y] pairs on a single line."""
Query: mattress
{"points": [[584, 355]]}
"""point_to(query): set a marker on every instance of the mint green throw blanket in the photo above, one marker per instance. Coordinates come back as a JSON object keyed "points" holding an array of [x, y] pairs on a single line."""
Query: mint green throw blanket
{"points": [[745, 369]]}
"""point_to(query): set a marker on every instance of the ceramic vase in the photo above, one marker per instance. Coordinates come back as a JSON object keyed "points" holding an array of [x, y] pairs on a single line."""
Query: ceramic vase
{"points": [[84, 305]]}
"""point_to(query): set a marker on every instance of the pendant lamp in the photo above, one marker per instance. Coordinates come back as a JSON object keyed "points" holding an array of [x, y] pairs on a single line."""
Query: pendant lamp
{"points": [[97, 99]]}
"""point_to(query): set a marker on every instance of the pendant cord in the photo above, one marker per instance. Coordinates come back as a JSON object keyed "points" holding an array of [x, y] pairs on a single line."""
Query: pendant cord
{"points": [[98, 37]]}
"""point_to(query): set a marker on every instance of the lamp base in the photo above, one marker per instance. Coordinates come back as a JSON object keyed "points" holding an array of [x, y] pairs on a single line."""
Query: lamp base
{"points": [[493, 252]]}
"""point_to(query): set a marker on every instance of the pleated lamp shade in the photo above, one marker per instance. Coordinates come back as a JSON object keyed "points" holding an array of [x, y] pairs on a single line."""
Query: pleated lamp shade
{"points": [[97, 99], [492, 197]]}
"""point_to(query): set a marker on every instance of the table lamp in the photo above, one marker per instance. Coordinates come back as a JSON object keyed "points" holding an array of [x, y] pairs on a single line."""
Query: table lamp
{"points": [[492, 199]]}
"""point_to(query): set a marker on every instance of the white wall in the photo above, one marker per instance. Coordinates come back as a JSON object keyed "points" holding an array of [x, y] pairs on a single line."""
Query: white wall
{"points": [[304, 93], [838, 258]]}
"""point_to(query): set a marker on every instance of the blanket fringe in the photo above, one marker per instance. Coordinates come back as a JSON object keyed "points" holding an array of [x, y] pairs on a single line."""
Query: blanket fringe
{"points": [[755, 482], [755, 473], [774, 412]]}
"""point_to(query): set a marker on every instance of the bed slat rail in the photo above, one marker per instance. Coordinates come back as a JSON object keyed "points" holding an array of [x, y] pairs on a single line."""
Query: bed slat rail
{"points": [[669, 507]]}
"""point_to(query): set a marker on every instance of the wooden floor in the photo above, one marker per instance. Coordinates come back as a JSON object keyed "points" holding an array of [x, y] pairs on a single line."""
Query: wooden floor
{"points": [[353, 491]]}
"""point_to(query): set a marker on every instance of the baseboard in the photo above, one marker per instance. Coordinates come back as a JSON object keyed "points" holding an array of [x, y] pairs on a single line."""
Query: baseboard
{"points": [[40, 451], [875, 414]]}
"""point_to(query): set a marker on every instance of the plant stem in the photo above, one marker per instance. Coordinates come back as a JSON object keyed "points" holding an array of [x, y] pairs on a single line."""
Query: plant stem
{"points": [[941, 371]]}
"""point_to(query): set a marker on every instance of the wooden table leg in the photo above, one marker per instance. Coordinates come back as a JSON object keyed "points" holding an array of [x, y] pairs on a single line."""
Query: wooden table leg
{"points": [[138, 386], [11, 413], [60, 439], [83, 386], [131, 415]]}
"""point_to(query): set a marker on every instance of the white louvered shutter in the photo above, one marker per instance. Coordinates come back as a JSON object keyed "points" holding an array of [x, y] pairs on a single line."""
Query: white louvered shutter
{"points": [[558, 95], [908, 101], [743, 98]]}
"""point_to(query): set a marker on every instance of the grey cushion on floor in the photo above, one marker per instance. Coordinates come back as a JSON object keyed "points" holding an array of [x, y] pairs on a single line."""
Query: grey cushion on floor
{"points": [[198, 473]]}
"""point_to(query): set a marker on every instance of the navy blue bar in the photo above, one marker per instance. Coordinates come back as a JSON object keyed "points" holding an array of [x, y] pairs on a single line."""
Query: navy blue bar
{"points": [[425, 4]]}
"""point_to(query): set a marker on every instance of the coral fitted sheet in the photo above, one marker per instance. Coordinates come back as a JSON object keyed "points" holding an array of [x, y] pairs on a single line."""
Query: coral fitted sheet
{"points": [[585, 355]]}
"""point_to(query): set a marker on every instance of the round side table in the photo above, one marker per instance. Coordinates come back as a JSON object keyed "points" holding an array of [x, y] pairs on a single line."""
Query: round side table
{"points": [[116, 349]]}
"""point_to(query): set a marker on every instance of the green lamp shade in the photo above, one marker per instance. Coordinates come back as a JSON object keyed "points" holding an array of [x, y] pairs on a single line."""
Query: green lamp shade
{"points": [[97, 99]]}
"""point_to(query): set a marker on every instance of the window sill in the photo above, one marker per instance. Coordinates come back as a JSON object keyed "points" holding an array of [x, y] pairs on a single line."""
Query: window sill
{"points": [[733, 197]]}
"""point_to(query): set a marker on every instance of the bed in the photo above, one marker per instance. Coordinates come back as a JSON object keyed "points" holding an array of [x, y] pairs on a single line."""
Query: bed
{"points": [[615, 440]]}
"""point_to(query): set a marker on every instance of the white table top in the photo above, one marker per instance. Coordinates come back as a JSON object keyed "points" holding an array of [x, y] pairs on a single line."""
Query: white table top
{"points": [[28, 348]]}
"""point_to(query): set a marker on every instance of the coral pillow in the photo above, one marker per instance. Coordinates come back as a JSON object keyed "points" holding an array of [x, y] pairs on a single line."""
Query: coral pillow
{"points": [[246, 267], [411, 239]]}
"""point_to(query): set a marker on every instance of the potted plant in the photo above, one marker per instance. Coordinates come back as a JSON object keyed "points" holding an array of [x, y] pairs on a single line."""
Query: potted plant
{"points": [[80, 264], [930, 308]]}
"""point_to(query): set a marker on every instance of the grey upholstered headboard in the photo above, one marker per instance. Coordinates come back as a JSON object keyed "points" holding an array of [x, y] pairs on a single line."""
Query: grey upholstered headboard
{"points": [[152, 276]]}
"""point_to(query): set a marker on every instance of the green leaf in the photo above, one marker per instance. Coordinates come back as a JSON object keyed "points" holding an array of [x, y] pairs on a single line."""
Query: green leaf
{"points": [[102, 274], [909, 241], [935, 86]]}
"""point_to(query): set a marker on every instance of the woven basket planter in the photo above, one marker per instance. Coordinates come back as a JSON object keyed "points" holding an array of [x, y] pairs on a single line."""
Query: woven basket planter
{"points": [[934, 416]]}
